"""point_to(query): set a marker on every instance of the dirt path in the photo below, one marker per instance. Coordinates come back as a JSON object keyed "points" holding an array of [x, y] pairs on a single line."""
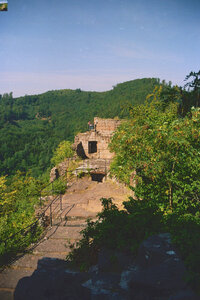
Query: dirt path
{"points": [[80, 202]]}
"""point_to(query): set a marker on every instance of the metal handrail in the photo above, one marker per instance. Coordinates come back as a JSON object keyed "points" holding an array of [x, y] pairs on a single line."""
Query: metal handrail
{"points": [[38, 218], [22, 229], [46, 208], [41, 215], [40, 191]]}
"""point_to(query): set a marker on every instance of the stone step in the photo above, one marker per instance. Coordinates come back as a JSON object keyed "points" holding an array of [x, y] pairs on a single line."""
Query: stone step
{"points": [[54, 209], [80, 212], [60, 214], [10, 277], [77, 221], [68, 220], [51, 245], [64, 232], [6, 294]]}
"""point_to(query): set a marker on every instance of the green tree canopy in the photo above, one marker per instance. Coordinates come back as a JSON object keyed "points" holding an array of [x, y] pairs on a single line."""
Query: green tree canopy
{"points": [[160, 152], [194, 84], [64, 150]]}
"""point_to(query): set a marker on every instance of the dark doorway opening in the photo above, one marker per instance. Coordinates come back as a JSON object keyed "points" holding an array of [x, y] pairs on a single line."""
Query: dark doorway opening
{"points": [[80, 151], [92, 147], [97, 176], [57, 173]]}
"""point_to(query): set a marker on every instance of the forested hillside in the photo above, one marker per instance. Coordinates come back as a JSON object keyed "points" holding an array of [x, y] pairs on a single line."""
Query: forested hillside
{"points": [[32, 126]]}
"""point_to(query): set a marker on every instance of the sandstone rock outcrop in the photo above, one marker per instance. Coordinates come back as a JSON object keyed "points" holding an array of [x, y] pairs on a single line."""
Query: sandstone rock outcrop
{"points": [[59, 170]]}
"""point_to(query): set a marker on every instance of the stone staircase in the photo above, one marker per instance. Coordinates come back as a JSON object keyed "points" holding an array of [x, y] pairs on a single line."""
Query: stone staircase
{"points": [[55, 244]]}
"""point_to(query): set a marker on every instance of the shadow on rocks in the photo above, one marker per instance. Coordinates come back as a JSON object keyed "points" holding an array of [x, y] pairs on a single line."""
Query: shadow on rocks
{"points": [[52, 280]]}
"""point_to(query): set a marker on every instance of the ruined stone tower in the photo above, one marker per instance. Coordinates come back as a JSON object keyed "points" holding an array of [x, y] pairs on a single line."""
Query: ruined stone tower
{"points": [[94, 143]]}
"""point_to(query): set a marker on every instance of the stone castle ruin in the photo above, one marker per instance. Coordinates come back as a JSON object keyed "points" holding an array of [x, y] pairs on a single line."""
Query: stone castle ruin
{"points": [[92, 147], [93, 144]]}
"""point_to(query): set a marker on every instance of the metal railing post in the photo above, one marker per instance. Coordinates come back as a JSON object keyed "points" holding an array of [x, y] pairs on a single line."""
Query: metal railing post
{"points": [[105, 170], [32, 227], [50, 215], [52, 186], [60, 202]]}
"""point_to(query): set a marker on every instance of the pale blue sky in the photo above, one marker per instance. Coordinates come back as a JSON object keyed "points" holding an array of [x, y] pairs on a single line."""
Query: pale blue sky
{"points": [[95, 44]]}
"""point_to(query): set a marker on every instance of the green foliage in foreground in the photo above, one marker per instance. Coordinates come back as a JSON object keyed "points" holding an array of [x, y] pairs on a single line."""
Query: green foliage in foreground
{"points": [[59, 185], [18, 201], [124, 230]]}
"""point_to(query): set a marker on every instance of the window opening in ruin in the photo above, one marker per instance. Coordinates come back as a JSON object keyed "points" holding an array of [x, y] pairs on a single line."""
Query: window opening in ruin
{"points": [[57, 175], [97, 176], [92, 147]]}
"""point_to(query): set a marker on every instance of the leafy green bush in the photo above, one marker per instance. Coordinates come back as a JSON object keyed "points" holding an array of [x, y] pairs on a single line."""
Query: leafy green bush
{"points": [[64, 150], [81, 174], [60, 185], [19, 240], [19, 198], [157, 155]]}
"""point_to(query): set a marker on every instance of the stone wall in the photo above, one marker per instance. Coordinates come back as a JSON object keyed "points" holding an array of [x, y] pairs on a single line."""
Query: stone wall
{"points": [[107, 126]]}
